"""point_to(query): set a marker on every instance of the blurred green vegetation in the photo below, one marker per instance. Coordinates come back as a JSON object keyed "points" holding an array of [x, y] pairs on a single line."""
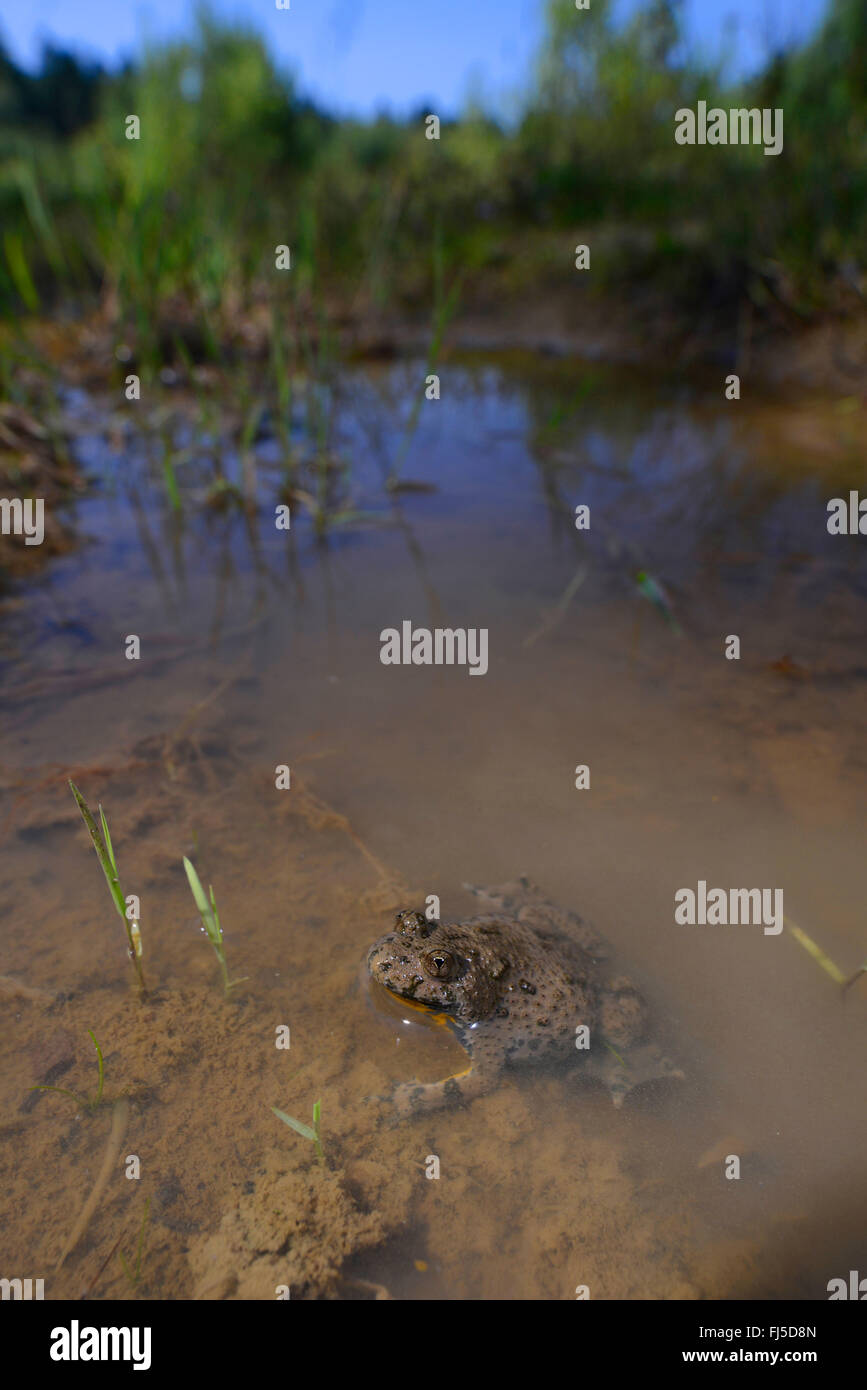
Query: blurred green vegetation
{"points": [[232, 161]]}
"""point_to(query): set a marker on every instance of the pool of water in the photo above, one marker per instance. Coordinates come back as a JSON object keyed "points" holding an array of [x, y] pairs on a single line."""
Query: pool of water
{"points": [[606, 647]]}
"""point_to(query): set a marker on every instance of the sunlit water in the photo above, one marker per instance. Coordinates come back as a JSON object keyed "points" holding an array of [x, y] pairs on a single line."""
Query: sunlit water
{"points": [[261, 648]]}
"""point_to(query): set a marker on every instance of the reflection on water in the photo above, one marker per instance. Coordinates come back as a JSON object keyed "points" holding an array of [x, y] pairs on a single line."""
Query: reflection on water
{"points": [[606, 649]]}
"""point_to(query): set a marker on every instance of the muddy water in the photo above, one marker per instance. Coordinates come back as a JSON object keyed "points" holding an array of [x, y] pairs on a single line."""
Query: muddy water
{"points": [[261, 648]]}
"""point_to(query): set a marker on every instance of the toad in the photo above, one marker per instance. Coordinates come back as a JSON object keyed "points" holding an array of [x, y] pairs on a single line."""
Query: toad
{"points": [[526, 980]]}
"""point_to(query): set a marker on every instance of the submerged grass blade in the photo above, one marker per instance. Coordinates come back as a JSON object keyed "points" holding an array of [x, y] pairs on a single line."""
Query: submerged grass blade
{"points": [[210, 922], [105, 854], [817, 953], [102, 854], [108, 845], [61, 1091], [214, 908], [205, 910], [304, 1130]]}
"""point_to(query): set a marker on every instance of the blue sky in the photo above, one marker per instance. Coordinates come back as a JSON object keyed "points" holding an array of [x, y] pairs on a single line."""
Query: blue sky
{"points": [[362, 55]]}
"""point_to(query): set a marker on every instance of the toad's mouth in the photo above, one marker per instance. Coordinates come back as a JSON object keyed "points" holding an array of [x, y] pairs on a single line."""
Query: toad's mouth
{"points": [[406, 1001], [389, 1002]]}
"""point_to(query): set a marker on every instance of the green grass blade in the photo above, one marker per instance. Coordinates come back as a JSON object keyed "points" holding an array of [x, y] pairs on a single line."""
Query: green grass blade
{"points": [[196, 888], [101, 851], [304, 1130], [214, 910], [89, 822], [317, 1115], [108, 845], [817, 953], [211, 922], [61, 1091], [171, 483], [20, 271], [206, 912]]}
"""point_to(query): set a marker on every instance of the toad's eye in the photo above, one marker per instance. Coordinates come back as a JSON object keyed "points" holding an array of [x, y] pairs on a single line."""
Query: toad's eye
{"points": [[442, 965]]}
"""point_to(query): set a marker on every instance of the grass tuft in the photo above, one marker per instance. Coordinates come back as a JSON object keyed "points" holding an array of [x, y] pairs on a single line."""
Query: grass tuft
{"points": [[211, 923]]}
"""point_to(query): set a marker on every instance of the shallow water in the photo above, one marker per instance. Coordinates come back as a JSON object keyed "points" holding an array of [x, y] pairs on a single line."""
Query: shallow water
{"points": [[261, 648]]}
